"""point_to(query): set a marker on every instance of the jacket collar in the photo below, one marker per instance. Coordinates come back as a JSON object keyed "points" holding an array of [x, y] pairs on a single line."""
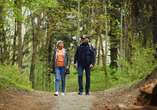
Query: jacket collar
{"points": [[63, 52]]}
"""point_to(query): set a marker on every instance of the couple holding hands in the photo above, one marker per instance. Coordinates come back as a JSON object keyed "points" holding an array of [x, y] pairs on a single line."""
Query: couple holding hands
{"points": [[83, 60]]}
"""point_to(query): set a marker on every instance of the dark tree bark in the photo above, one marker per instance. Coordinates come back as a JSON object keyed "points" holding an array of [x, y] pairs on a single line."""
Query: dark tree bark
{"points": [[96, 46], [113, 40], [1, 35], [154, 20], [49, 46], [14, 41], [113, 49], [104, 62], [98, 61], [19, 28], [35, 43]]}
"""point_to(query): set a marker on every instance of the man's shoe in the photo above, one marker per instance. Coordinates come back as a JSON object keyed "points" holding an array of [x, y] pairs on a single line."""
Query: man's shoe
{"points": [[56, 94], [87, 93], [80, 93]]}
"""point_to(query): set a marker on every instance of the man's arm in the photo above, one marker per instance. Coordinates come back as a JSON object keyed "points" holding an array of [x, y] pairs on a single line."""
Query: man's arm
{"points": [[92, 56], [76, 58]]}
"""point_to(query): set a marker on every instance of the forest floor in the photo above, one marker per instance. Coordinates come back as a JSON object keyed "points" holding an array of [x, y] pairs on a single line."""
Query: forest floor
{"points": [[12, 99]]}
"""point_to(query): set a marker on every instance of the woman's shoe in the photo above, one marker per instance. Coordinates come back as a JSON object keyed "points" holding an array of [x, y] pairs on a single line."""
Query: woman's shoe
{"points": [[56, 94], [62, 93]]}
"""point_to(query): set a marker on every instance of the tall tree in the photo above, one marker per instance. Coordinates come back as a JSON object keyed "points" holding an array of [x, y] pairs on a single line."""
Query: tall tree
{"points": [[49, 44], [113, 35], [15, 36], [1, 35], [19, 33], [78, 20], [154, 29], [131, 32], [35, 43]]}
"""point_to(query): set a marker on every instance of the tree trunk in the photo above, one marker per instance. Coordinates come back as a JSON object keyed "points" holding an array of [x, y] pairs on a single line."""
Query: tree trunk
{"points": [[121, 39], [98, 59], [49, 46], [1, 35], [43, 72], [148, 96], [154, 23], [105, 57], [113, 44], [14, 43], [130, 33], [113, 49], [78, 22], [92, 17], [19, 28], [35, 43], [104, 62], [102, 48], [96, 46], [38, 78], [97, 31], [125, 46], [88, 19], [123, 107]]}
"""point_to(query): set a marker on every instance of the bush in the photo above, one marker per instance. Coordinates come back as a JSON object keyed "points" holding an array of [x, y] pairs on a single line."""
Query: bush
{"points": [[13, 75]]}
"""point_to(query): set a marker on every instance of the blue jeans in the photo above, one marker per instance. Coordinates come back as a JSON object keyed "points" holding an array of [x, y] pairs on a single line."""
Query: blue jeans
{"points": [[60, 71], [81, 67]]}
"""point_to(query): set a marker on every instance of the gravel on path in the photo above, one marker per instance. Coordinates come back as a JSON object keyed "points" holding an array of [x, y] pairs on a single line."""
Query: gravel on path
{"points": [[73, 101]]}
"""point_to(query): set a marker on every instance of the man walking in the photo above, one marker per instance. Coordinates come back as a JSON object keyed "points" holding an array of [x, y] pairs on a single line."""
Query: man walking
{"points": [[85, 58]]}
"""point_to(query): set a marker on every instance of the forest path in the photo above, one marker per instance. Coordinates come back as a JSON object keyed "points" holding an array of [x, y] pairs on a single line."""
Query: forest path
{"points": [[39, 100], [73, 101]]}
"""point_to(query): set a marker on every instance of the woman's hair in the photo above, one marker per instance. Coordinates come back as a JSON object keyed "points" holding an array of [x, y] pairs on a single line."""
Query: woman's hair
{"points": [[59, 42]]}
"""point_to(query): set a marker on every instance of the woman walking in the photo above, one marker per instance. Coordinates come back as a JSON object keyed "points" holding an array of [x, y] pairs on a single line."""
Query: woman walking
{"points": [[60, 66]]}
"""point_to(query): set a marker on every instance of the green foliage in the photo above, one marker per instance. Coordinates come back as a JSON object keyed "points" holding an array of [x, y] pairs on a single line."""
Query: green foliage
{"points": [[143, 64], [12, 74], [72, 81], [98, 80]]}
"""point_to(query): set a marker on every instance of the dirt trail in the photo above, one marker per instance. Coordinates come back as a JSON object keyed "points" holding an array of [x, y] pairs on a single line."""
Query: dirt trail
{"points": [[39, 100], [13, 99], [72, 101]]}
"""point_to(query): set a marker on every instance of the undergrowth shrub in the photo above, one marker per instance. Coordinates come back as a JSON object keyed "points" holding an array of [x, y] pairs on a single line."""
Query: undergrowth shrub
{"points": [[143, 64], [13, 74]]}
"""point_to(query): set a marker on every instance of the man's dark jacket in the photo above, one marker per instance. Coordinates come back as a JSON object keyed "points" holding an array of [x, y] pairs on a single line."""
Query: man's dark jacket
{"points": [[90, 55]]}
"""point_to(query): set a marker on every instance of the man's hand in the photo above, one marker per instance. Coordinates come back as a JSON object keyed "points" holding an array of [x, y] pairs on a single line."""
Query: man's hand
{"points": [[91, 66], [67, 67], [52, 70], [75, 65]]}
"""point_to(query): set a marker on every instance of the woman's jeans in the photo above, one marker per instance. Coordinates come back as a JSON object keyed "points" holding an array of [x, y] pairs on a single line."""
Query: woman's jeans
{"points": [[60, 71], [81, 67]]}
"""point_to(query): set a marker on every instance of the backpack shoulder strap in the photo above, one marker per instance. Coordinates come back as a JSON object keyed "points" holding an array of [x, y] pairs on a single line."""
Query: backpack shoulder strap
{"points": [[90, 46], [79, 45]]}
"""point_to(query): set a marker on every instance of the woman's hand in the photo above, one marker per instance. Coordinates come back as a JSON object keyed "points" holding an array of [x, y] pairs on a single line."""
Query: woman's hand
{"points": [[67, 67], [52, 70]]}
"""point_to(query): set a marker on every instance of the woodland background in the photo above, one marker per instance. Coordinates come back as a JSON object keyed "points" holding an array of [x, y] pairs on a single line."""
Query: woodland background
{"points": [[123, 32]]}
